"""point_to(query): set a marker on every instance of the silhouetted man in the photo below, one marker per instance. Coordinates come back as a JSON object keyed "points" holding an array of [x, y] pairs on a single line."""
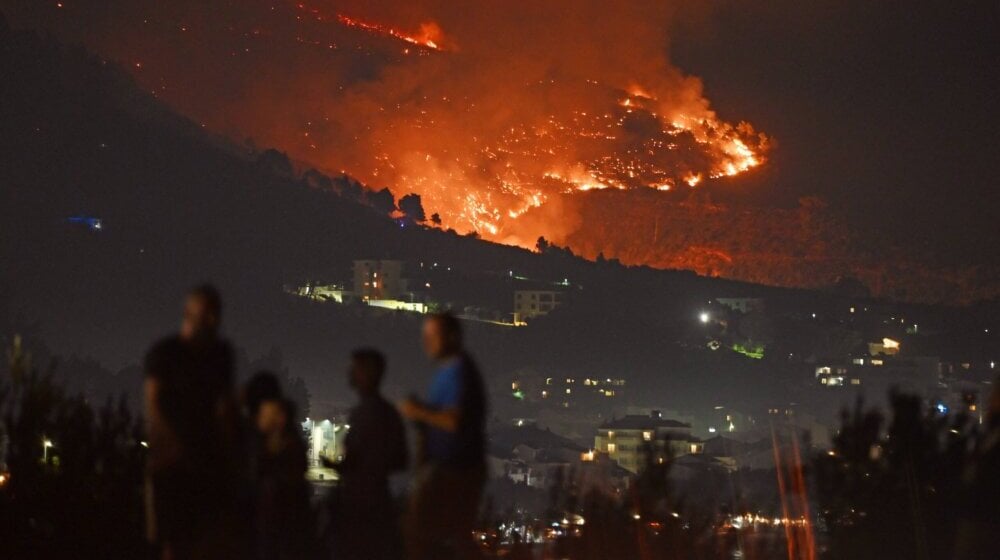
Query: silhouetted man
{"points": [[375, 447], [192, 430], [449, 481]]}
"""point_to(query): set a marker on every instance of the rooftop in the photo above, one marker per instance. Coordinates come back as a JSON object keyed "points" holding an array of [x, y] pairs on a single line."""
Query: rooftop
{"points": [[642, 422]]}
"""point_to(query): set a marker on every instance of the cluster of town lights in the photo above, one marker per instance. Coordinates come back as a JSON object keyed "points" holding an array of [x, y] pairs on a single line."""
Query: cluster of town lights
{"points": [[751, 520]]}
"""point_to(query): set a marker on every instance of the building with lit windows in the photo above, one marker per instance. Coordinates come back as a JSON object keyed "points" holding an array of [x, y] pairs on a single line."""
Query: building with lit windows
{"points": [[629, 439], [379, 280], [529, 304]]}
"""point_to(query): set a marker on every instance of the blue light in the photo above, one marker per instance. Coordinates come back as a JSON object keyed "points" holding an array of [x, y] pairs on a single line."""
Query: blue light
{"points": [[93, 224], [941, 408]]}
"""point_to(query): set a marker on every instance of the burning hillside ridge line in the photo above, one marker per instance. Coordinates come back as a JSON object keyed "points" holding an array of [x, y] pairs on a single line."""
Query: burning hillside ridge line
{"points": [[429, 37]]}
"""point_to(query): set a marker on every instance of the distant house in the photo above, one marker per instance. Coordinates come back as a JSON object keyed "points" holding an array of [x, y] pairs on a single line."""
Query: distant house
{"points": [[379, 280], [529, 304], [630, 439], [531, 455]]}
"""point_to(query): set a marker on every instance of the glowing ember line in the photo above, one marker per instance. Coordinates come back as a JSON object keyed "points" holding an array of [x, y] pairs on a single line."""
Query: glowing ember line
{"points": [[427, 31]]}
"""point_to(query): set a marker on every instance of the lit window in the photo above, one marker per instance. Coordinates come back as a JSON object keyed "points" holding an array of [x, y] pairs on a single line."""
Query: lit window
{"points": [[612, 448], [647, 436]]}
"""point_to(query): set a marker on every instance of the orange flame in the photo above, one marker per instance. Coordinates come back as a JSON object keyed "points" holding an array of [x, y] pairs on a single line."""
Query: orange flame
{"points": [[429, 36]]}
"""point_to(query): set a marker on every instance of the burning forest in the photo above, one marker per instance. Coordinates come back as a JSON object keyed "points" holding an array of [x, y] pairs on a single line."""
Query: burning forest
{"points": [[485, 113], [502, 117], [499, 117]]}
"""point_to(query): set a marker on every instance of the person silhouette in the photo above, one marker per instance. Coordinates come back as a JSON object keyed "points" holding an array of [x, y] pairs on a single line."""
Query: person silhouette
{"points": [[448, 484], [192, 432], [284, 520], [363, 513]]}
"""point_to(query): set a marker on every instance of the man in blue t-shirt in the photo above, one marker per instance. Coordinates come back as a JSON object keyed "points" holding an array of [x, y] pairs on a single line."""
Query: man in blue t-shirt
{"points": [[448, 484]]}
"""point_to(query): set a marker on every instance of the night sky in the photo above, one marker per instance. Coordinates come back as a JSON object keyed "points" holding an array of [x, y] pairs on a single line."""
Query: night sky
{"points": [[886, 109]]}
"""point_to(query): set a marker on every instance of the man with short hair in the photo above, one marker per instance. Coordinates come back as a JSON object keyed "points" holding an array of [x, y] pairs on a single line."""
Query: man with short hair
{"points": [[364, 516], [448, 485], [193, 428]]}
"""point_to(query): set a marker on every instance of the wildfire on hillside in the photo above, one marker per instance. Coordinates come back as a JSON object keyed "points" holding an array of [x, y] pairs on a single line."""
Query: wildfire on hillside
{"points": [[484, 132], [494, 115]]}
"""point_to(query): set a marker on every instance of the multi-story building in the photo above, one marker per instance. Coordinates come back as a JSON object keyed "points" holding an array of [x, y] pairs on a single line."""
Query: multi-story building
{"points": [[379, 280], [529, 304], [629, 439]]}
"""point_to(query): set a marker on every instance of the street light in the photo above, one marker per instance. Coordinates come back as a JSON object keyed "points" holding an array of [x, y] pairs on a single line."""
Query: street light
{"points": [[46, 444], [704, 317]]}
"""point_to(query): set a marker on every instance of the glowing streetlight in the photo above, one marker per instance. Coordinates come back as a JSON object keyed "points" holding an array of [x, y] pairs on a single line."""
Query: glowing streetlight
{"points": [[46, 444], [704, 317]]}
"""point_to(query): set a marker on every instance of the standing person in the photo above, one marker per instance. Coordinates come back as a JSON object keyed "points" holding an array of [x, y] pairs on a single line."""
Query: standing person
{"points": [[449, 481], [362, 511], [284, 520], [193, 430]]}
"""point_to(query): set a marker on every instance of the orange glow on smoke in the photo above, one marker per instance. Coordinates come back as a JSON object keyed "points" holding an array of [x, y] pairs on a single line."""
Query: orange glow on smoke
{"points": [[493, 116], [486, 146]]}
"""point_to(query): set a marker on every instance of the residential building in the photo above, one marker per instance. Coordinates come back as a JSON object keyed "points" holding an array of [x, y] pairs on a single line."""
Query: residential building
{"points": [[529, 304], [379, 280], [629, 439], [527, 454]]}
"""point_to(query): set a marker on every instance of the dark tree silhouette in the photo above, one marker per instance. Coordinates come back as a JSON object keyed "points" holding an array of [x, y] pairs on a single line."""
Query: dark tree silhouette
{"points": [[274, 162], [75, 471], [542, 245], [412, 206], [382, 201], [901, 481], [316, 180]]}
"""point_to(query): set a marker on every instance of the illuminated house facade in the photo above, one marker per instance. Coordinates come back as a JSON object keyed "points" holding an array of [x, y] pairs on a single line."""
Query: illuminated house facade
{"points": [[529, 304], [626, 440], [379, 280]]}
